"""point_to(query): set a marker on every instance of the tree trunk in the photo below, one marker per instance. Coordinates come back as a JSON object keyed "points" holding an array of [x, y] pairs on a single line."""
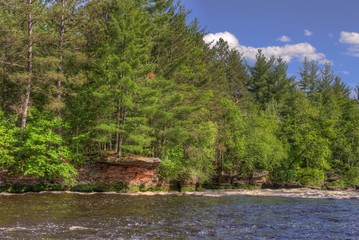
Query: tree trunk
{"points": [[26, 103], [120, 122], [60, 67]]}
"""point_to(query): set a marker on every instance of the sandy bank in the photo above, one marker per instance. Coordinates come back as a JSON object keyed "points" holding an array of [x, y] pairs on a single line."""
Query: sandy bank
{"points": [[297, 193]]}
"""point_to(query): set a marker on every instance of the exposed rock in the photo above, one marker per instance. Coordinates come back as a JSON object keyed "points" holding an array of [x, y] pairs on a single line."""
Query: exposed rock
{"points": [[132, 171], [10, 179], [277, 185], [189, 185], [259, 174], [259, 177], [332, 179], [222, 180], [355, 186], [255, 178], [351, 187], [240, 180], [335, 188], [132, 161]]}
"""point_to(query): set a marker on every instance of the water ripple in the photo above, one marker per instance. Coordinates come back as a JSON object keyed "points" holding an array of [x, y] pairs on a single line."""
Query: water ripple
{"points": [[113, 216]]}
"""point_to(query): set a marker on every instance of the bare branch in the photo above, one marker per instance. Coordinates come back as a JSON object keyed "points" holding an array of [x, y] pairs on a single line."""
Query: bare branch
{"points": [[1, 30], [11, 64]]}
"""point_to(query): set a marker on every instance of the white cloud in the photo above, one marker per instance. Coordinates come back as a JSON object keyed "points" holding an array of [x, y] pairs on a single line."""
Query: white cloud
{"points": [[284, 38], [354, 51], [288, 52], [226, 36], [345, 72], [330, 35], [308, 33], [349, 38], [352, 39]]}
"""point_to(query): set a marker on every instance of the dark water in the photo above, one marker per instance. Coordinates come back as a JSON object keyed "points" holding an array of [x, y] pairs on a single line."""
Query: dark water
{"points": [[100, 216]]}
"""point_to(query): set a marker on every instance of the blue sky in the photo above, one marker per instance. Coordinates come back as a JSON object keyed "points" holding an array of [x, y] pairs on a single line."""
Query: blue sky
{"points": [[323, 30]]}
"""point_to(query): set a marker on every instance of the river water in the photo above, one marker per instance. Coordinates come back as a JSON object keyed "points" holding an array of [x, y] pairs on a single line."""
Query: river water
{"points": [[114, 216]]}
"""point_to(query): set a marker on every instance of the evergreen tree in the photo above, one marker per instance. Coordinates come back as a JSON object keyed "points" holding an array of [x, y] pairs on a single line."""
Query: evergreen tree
{"points": [[309, 151], [263, 149], [231, 137], [262, 83], [269, 81], [229, 72], [309, 74], [23, 17], [134, 77], [119, 79]]}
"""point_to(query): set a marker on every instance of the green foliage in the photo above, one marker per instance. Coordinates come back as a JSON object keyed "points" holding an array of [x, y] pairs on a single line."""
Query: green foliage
{"points": [[41, 152], [231, 137], [352, 175], [172, 164], [8, 139], [21, 188], [310, 177], [262, 148], [194, 160], [134, 77], [100, 187], [200, 151]]}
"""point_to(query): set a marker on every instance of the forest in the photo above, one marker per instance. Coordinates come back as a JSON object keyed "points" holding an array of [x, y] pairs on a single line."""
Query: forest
{"points": [[134, 77]]}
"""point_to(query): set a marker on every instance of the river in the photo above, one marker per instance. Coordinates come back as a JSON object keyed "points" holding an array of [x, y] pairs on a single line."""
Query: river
{"points": [[114, 216]]}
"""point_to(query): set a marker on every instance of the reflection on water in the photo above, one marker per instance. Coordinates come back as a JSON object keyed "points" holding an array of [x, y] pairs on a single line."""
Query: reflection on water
{"points": [[176, 217]]}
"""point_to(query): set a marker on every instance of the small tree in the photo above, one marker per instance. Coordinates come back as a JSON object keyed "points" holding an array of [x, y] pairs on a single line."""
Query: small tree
{"points": [[42, 153], [8, 132]]}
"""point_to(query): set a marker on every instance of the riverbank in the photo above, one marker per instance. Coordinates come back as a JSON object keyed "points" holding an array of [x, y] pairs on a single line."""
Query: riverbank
{"points": [[292, 193]]}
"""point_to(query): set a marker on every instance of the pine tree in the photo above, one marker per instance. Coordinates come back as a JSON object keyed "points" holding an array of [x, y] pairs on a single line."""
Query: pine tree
{"points": [[260, 78], [229, 72], [309, 151], [309, 77], [119, 77], [269, 81], [19, 55]]}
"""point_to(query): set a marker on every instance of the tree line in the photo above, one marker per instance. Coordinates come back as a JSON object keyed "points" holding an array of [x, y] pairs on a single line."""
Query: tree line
{"points": [[132, 77]]}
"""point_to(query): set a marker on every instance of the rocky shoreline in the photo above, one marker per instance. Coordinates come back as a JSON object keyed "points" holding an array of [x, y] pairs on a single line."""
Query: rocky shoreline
{"points": [[292, 193]]}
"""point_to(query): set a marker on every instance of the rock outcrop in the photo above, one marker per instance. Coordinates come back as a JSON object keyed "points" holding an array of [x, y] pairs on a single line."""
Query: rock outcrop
{"points": [[10, 179], [132, 171]]}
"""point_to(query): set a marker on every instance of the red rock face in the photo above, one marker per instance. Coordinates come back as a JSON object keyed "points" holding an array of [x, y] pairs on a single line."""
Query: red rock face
{"points": [[134, 171], [6, 178]]}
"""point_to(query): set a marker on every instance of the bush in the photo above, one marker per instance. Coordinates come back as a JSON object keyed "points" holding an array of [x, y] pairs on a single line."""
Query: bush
{"points": [[311, 177], [100, 187], [21, 188]]}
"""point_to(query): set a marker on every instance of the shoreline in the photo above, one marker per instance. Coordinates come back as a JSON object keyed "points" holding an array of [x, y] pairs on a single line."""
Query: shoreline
{"points": [[290, 193]]}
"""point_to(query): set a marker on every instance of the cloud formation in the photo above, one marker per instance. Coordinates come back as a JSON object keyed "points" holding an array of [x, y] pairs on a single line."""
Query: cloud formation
{"points": [[284, 38], [226, 36], [352, 39], [308, 33], [288, 52], [349, 38]]}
